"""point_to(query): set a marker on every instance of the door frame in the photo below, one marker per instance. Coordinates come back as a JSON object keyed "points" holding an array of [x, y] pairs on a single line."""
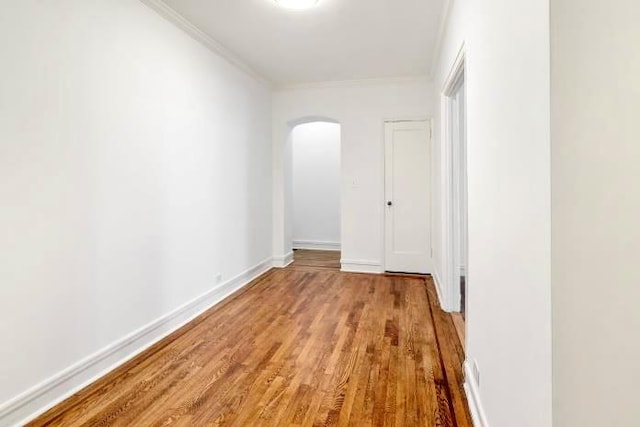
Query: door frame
{"points": [[451, 295], [430, 122]]}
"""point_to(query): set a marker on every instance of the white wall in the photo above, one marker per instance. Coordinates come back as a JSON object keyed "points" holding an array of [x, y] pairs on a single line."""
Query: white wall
{"points": [[509, 309], [596, 209], [135, 166], [361, 110], [316, 186]]}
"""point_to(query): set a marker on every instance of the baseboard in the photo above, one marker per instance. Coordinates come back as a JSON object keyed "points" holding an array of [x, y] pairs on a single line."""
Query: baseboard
{"points": [[438, 285], [472, 390], [361, 266], [59, 387], [283, 260], [314, 245]]}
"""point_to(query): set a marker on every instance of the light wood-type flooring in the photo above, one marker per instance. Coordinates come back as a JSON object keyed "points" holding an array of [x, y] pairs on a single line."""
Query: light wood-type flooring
{"points": [[307, 345], [316, 259]]}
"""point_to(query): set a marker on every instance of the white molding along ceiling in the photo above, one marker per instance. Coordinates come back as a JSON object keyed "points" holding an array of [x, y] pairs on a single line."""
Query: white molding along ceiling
{"points": [[184, 24], [345, 41], [442, 29], [352, 83]]}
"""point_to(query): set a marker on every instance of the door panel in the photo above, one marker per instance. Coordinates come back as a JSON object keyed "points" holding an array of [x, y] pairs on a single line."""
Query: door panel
{"points": [[408, 197]]}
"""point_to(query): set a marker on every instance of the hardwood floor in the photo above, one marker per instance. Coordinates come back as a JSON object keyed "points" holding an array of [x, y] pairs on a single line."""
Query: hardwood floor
{"points": [[301, 346], [316, 259], [459, 324]]}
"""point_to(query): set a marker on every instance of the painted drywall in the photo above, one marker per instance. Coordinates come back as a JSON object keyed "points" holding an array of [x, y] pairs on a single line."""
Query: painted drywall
{"points": [[135, 166], [316, 185], [508, 110], [361, 110], [595, 209]]}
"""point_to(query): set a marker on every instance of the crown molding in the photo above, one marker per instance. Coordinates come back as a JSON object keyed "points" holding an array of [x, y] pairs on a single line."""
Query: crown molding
{"points": [[442, 29], [197, 34], [425, 79]]}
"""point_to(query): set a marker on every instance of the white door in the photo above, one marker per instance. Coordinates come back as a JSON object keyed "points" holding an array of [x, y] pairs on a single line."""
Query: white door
{"points": [[408, 197]]}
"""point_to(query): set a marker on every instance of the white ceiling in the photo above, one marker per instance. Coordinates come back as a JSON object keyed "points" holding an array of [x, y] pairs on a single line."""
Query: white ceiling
{"points": [[337, 40]]}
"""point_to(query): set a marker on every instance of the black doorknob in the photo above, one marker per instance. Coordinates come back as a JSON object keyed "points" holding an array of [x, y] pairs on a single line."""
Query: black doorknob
{"points": [[389, 203]]}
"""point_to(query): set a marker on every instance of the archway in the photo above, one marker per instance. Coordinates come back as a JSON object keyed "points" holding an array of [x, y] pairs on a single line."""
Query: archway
{"points": [[283, 187]]}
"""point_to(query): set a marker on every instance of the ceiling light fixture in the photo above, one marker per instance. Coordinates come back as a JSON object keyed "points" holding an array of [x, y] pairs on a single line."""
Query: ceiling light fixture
{"points": [[297, 4]]}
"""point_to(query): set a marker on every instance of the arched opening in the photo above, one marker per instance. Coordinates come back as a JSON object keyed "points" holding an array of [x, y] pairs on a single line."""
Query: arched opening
{"points": [[316, 191], [308, 183]]}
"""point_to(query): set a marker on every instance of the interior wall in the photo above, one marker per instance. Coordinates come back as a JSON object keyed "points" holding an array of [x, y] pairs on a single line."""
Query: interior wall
{"points": [[508, 110], [361, 109], [595, 208], [135, 166], [316, 186]]}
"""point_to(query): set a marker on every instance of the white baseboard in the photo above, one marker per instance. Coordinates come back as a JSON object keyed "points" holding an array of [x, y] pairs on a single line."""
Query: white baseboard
{"points": [[438, 285], [282, 261], [315, 245], [43, 396], [361, 266], [472, 390]]}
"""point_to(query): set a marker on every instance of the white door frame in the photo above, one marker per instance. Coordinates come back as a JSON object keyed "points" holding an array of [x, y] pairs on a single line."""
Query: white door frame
{"points": [[383, 201], [451, 292]]}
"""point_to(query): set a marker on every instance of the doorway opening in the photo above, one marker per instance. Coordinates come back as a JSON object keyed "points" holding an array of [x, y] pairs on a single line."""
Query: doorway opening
{"points": [[315, 191], [456, 146]]}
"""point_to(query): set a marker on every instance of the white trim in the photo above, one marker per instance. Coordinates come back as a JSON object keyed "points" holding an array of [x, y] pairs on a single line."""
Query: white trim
{"points": [[43, 396], [281, 261], [472, 390], [314, 245], [361, 266], [451, 289], [455, 72], [196, 33], [405, 119], [355, 83], [438, 286], [442, 29]]}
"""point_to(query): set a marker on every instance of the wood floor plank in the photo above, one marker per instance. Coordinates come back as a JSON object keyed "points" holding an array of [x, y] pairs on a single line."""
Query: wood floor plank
{"points": [[452, 356], [303, 346], [459, 323], [316, 259]]}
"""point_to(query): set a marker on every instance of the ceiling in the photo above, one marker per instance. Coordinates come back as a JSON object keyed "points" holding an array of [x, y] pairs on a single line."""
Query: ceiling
{"points": [[335, 41]]}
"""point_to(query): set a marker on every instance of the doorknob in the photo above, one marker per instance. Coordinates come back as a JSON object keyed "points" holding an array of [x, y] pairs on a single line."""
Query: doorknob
{"points": [[389, 203]]}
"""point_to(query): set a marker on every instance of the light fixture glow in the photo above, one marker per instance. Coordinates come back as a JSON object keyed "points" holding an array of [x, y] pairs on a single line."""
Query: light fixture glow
{"points": [[297, 4]]}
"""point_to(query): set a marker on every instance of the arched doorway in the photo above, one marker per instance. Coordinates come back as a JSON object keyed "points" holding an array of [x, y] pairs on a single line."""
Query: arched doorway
{"points": [[316, 194], [307, 193]]}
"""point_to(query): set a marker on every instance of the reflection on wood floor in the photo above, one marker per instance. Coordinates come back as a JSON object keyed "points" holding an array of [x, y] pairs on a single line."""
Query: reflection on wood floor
{"points": [[306, 346]]}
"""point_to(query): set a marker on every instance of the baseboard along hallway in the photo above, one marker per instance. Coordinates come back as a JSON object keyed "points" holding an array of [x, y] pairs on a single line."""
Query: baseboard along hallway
{"points": [[304, 345]]}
